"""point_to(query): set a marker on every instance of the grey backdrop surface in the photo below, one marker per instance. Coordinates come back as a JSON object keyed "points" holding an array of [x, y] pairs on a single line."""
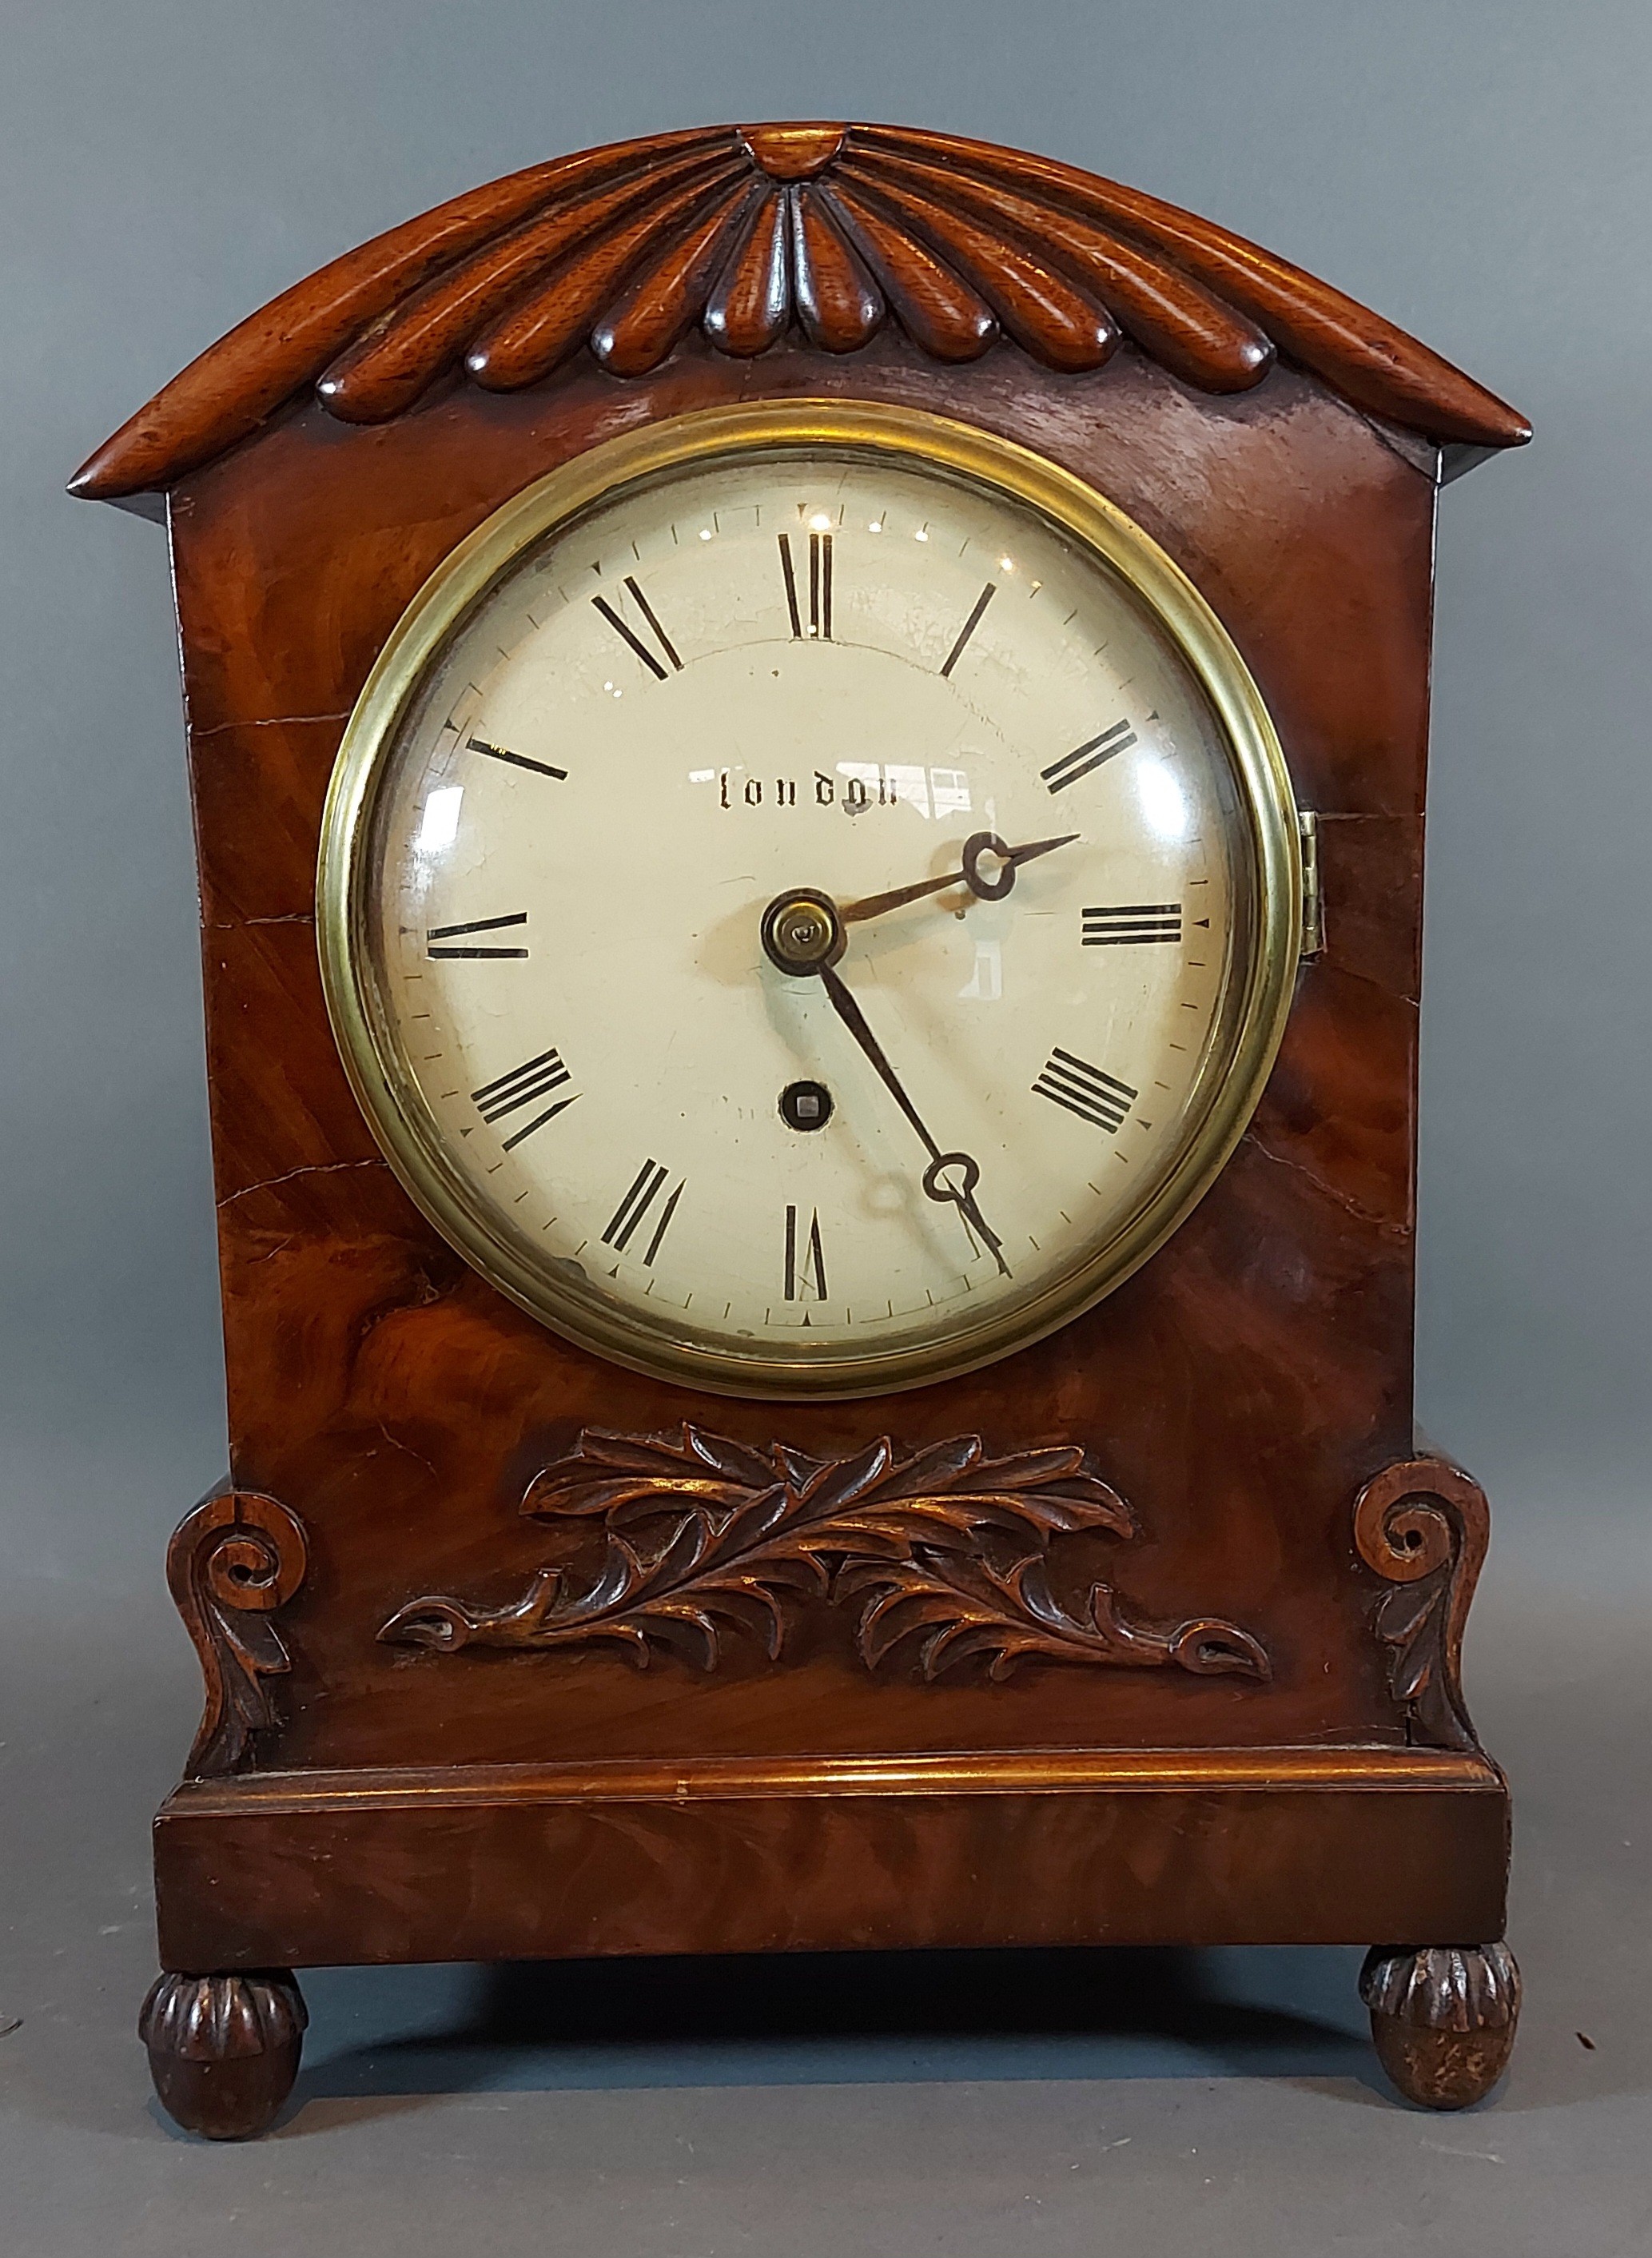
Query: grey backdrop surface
{"points": [[1480, 173]]}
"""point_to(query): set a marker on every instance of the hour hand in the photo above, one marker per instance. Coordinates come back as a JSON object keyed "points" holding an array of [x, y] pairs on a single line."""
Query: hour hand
{"points": [[988, 889]]}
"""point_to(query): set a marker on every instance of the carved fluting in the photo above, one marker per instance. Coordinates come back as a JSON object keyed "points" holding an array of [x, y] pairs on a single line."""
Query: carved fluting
{"points": [[1442, 2019], [232, 1563], [223, 2050], [743, 234], [942, 1555], [1423, 1526], [1445, 1987]]}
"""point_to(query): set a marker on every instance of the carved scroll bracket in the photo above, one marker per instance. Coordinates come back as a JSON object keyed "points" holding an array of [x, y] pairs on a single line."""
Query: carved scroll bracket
{"points": [[1423, 1525], [943, 1554], [232, 1563]]}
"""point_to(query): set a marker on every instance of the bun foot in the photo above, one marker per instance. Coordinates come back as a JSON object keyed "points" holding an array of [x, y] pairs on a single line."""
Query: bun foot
{"points": [[224, 2050], [1442, 2019]]}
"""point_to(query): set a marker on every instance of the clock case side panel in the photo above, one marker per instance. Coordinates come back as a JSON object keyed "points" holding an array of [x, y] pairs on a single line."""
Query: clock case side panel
{"points": [[1239, 1391]]}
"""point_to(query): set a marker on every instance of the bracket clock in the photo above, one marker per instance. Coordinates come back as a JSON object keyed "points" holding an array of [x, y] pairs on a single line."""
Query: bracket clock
{"points": [[808, 749]]}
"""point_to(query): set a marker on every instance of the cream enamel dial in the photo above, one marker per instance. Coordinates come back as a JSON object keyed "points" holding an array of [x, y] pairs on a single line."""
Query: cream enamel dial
{"points": [[605, 917]]}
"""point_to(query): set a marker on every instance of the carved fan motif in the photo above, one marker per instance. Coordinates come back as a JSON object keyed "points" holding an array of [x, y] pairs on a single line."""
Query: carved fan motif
{"points": [[943, 1554], [832, 230]]}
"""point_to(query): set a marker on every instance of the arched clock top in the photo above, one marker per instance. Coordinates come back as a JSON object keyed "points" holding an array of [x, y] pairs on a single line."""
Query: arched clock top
{"points": [[831, 233]]}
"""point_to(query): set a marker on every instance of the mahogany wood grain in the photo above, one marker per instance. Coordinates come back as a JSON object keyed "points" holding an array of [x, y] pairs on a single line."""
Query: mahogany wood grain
{"points": [[1443, 2020], [537, 330], [1184, 326], [228, 390], [792, 153], [670, 294], [940, 310], [840, 307], [610, 247], [1424, 1525], [1247, 1392], [442, 1866], [224, 2050], [1239, 1391], [1033, 299], [1353, 349], [389, 369], [750, 305]]}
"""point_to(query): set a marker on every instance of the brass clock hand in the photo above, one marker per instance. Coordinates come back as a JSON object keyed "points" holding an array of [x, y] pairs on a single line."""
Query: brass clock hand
{"points": [[989, 889], [803, 934], [937, 1183]]}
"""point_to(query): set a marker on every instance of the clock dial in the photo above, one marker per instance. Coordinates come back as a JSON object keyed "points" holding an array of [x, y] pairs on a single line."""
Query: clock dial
{"points": [[806, 917]]}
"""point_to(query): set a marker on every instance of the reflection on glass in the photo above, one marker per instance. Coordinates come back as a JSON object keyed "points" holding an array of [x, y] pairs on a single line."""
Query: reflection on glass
{"points": [[440, 824], [1163, 804]]}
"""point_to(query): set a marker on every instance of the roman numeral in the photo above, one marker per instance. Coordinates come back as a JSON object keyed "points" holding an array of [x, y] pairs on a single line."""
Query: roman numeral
{"points": [[1089, 755], [1131, 924], [517, 759], [444, 933], [1086, 1090], [969, 627], [819, 586], [790, 575], [805, 1264], [635, 641], [646, 1188], [524, 1086]]}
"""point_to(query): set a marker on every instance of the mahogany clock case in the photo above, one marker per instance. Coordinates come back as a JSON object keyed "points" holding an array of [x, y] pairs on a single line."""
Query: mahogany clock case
{"points": [[1203, 1595]]}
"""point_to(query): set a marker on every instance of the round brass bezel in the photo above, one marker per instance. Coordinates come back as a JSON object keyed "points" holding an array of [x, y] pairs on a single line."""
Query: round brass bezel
{"points": [[1229, 1087]]}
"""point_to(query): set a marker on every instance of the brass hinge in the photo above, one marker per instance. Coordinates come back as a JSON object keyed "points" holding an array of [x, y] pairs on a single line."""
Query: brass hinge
{"points": [[1313, 904]]}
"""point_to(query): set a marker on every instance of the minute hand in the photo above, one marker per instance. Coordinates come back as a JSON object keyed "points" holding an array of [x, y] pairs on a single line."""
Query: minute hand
{"points": [[989, 889], [937, 1185]]}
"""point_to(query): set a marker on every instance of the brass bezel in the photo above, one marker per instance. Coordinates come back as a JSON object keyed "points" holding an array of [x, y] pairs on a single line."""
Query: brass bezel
{"points": [[1229, 1092]]}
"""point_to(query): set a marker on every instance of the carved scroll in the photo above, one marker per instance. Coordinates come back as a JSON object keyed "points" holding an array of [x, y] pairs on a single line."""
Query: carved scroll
{"points": [[742, 234], [942, 1554], [232, 1563], [1423, 1526]]}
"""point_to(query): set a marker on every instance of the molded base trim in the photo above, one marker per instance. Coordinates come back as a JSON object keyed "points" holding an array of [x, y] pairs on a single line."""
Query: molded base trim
{"points": [[722, 1855], [971, 1772]]}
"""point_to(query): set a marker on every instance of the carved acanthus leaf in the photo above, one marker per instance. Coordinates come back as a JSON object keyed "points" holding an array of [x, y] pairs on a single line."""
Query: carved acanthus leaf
{"points": [[1423, 1526], [231, 1562], [943, 1554]]}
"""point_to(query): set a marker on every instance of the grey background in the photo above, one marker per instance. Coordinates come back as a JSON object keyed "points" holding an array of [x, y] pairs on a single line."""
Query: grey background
{"points": [[1483, 174]]}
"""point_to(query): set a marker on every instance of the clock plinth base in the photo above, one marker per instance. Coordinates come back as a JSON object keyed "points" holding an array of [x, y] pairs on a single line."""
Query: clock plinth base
{"points": [[561, 1861], [1443, 2020], [223, 2050], [574, 1861]]}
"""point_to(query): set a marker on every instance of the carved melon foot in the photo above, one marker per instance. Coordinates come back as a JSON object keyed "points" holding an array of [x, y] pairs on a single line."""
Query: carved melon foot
{"points": [[1442, 2019], [224, 2050]]}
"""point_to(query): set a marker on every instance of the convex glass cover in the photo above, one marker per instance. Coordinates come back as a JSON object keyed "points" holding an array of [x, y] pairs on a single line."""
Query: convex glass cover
{"points": [[809, 896]]}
